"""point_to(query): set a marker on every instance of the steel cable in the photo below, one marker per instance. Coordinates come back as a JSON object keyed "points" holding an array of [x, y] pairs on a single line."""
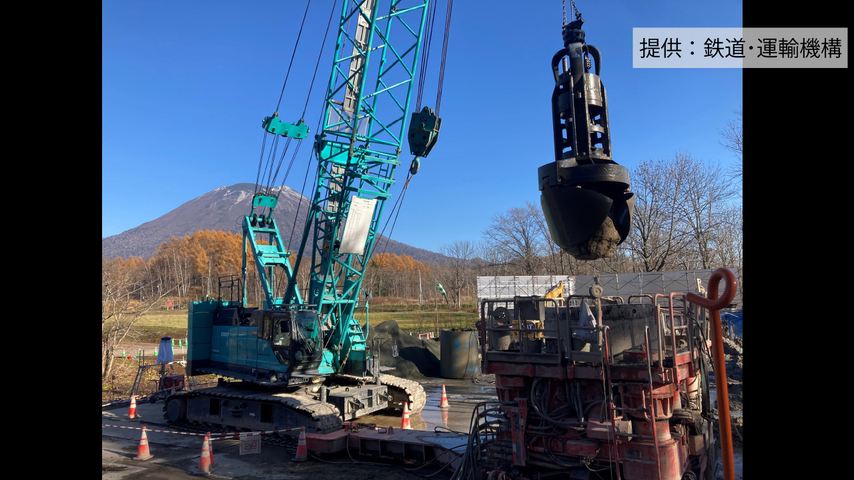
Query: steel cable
{"points": [[299, 34], [422, 75], [444, 55]]}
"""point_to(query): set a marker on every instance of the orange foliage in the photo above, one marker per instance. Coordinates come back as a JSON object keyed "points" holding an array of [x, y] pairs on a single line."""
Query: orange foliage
{"points": [[403, 263], [211, 252]]}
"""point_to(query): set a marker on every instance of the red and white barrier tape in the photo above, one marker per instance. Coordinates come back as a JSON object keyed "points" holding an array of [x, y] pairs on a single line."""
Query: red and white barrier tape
{"points": [[213, 436]]}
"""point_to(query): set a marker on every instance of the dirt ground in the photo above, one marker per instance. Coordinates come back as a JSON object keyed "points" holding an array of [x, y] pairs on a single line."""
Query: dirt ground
{"points": [[734, 364]]}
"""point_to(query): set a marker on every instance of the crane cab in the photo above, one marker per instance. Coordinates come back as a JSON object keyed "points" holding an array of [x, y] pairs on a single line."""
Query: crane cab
{"points": [[264, 346], [289, 341]]}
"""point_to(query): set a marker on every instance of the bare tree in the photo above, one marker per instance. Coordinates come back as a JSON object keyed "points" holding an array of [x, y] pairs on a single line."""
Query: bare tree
{"points": [[460, 255], [494, 262], [516, 236], [733, 141], [656, 238], [730, 251], [121, 305], [700, 205]]}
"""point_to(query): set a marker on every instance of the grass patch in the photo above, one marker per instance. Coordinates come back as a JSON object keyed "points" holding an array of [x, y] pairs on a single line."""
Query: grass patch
{"points": [[411, 318], [419, 322], [150, 328]]}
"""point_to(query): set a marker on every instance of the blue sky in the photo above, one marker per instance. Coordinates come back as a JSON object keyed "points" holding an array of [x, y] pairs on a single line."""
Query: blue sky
{"points": [[186, 84]]}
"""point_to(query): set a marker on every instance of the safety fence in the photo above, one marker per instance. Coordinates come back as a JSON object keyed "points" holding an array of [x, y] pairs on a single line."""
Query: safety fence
{"points": [[140, 353], [424, 336]]}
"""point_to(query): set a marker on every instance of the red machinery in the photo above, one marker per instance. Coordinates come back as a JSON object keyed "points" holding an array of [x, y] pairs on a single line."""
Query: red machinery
{"points": [[168, 382], [622, 393]]}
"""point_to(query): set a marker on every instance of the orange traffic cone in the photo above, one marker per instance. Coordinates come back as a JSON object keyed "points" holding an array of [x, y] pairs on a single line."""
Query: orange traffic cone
{"points": [[404, 423], [143, 453], [132, 411], [302, 450], [444, 402], [205, 461]]}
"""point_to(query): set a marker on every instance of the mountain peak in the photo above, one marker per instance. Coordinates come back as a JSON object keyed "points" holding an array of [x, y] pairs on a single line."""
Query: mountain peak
{"points": [[223, 209]]}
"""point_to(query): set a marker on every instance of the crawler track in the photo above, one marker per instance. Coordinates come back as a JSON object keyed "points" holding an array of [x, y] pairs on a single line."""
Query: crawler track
{"points": [[400, 390], [316, 416], [403, 390]]}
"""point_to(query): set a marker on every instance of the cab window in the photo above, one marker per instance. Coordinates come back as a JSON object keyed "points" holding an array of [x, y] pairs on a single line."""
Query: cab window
{"points": [[282, 335]]}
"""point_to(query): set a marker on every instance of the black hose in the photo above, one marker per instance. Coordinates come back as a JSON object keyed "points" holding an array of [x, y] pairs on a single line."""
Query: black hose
{"points": [[468, 467]]}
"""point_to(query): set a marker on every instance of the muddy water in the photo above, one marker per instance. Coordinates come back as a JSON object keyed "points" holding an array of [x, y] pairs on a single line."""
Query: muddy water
{"points": [[462, 394]]}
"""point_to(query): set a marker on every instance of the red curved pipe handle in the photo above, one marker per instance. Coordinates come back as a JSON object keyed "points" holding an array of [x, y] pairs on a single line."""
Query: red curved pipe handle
{"points": [[714, 304]]}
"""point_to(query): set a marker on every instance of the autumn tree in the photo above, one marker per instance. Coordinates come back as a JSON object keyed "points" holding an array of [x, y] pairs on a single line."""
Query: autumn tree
{"points": [[194, 263], [391, 275], [215, 254], [175, 259]]}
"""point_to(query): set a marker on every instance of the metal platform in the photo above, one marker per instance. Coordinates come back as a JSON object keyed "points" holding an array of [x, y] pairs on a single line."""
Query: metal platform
{"points": [[391, 443]]}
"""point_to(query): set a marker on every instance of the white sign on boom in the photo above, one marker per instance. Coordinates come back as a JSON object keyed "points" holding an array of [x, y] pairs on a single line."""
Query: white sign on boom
{"points": [[358, 224]]}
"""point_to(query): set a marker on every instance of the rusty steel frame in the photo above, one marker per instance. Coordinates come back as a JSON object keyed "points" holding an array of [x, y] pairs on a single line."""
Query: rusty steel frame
{"points": [[512, 367]]}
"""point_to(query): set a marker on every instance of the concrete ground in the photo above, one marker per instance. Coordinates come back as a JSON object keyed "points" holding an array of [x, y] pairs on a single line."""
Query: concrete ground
{"points": [[177, 456]]}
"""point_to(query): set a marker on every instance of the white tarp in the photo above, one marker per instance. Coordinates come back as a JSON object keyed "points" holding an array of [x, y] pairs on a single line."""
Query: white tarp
{"points": [[164, 351]]}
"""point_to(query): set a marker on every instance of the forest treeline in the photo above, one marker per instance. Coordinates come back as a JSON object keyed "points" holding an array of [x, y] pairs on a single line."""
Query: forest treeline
{"points": [[190, 268], [686, 217]]}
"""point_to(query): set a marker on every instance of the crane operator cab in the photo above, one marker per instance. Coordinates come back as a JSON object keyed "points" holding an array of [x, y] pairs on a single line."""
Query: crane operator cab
{"points": [[282, 341], [293, 338]]}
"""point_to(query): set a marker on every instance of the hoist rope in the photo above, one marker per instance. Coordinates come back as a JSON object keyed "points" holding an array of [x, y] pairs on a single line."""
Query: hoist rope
{"points": [[320, 119], [319, 56], [398, 206], [269, 165], [422, 75], [299, 204], [444, 55], [260, 160], [307, 99], [270, 180], [299, 143], [293, 55]]}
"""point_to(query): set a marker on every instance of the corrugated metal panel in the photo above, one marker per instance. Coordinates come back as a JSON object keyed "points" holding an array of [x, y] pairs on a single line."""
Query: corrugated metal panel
{"points": [[509, 287], [622, 284], [627, 284]]}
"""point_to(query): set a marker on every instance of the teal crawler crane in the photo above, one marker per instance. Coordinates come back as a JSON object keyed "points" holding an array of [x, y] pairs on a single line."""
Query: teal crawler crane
{"points": [[306, 361]]}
